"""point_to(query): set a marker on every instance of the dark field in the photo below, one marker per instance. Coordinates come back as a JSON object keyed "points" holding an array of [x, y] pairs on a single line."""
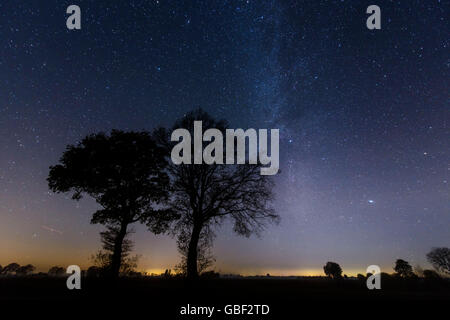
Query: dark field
{"points": [[287, 298]]}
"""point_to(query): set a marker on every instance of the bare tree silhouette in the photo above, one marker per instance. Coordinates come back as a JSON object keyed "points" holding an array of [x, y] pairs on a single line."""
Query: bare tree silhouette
{"points": [[440, 259], [124, 173], [204, 195]]}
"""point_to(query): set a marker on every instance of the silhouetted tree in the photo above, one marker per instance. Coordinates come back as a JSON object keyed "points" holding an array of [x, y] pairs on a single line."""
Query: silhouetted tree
{"points": [[25, 270], [333, 270], [10, 268], [440, 259], [205, 258], [124, 173], [403, 268], [56, 271], [103, 258], [205, 195]]}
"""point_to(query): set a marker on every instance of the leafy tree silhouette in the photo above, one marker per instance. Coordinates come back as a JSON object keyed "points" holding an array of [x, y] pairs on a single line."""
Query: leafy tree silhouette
{"points": [[403, 269], [204, 195], [333, 270], [10, 268], [124, 173], [440, 259]]}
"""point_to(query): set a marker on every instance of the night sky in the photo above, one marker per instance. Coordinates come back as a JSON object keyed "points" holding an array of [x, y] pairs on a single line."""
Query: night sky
{"points": [[363, 117]]}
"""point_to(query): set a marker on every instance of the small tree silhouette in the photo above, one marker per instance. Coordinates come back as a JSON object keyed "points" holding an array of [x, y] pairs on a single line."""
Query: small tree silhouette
{"points": [[440, 259], [124, 173], [333, 270], [403, 269]]}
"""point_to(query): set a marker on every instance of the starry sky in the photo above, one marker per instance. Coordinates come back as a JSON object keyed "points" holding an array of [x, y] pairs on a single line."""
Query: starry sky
{"points": [[363, 117]]}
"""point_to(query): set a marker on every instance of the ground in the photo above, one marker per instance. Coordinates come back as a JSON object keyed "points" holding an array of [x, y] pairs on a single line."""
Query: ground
{"points": [[286, 298]]}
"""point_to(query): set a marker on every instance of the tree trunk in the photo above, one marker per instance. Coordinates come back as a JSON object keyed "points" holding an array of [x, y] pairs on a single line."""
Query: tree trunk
{"points": [[192, 272], [116, 259]]}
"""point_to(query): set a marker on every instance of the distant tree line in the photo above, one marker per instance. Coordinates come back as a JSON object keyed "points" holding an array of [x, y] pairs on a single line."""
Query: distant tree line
{"points": [[15, 268], [439, 258]]}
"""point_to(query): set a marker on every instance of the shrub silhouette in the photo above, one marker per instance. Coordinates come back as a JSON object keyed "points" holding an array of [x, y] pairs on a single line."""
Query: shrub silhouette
{"points": [[360, 277], [386, 276], [431, 274], [94, 272]]}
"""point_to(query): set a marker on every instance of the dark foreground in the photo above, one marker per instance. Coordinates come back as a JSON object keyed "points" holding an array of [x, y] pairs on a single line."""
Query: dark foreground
{"points": [[154, 298]]}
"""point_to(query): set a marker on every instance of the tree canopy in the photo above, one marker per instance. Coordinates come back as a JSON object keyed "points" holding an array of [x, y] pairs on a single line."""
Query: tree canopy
{"points": [[333, 270], [205, 195], [403, 268], [124, 172]]}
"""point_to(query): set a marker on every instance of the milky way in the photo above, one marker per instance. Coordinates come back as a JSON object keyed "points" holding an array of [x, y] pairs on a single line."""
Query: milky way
{"points": [[363, 118]]}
